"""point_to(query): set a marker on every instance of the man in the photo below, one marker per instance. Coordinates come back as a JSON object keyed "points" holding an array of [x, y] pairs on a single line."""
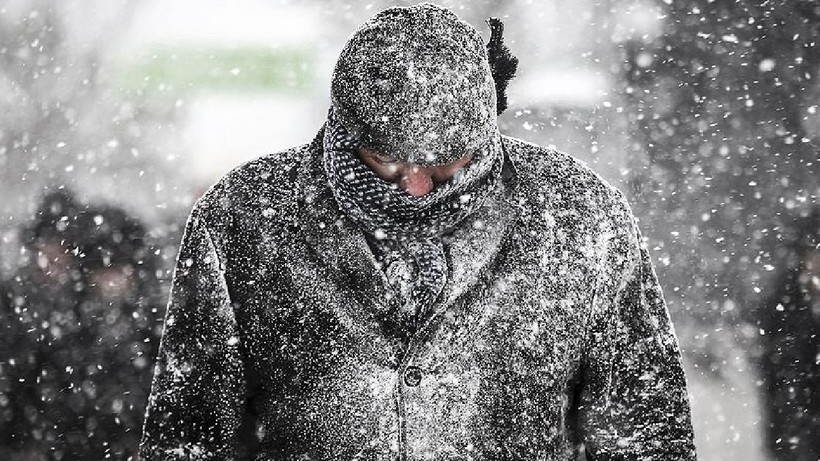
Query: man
{"points": [[78, 331], [38, 328], [414, 285]]}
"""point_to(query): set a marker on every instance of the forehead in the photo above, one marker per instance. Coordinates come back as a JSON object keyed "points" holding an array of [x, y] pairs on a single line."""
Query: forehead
{"points": [[381, 155]]}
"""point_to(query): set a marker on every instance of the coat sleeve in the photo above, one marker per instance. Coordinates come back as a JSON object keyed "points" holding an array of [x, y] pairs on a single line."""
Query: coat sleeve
{"points": [[633, 401], [198, 391]]}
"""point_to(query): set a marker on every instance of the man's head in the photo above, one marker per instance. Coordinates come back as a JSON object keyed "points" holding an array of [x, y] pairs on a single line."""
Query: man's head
{"points": [[114, 249], [415, 85], [52, 236]]}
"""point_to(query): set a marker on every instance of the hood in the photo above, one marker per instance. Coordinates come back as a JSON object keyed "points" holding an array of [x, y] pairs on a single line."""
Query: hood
{"points": [[415, 83]]}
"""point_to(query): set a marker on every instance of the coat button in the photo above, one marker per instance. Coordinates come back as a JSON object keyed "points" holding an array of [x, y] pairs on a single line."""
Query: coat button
{"points": [[412, 376]]}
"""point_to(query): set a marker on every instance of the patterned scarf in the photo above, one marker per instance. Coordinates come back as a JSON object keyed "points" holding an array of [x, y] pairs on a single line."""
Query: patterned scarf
{"points": [[407, 231]]}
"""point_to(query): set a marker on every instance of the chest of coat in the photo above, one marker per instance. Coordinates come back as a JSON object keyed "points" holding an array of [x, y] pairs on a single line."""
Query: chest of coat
{"points": [[501, 358]]}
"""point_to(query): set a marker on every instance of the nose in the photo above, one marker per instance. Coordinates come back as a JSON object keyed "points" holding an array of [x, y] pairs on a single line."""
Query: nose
{"points": [[416, 181]]}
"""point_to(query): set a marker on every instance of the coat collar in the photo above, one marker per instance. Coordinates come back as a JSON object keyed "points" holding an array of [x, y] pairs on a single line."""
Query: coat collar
{"points": [[347, 258]]}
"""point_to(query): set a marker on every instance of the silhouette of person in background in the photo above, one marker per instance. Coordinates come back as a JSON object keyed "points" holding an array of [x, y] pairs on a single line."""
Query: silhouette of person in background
{"points": [[84, 327], [39, 317], [790, 363]]}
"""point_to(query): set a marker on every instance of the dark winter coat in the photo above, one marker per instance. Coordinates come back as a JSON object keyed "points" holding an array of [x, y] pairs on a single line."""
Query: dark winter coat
{"points": [[550, 333]]}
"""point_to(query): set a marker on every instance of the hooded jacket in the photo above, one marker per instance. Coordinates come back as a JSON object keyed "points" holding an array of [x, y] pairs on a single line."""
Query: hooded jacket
{"points": [[550, 337]]}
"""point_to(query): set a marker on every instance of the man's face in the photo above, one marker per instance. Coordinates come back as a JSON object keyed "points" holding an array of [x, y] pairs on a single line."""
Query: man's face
{"points": [[414, 179], [112, 283], [54, 260]]}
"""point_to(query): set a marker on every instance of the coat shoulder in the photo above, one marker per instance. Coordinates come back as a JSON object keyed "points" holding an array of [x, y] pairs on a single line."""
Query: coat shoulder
{"points": [[265, 187], [549, 175]]}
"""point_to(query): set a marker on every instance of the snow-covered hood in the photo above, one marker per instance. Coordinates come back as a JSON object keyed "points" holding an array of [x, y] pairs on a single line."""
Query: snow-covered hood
{"points": [[415, 83]]}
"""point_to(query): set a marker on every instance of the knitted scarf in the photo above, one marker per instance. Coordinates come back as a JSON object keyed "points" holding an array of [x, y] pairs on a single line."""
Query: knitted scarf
{"points": [[407, 231]]}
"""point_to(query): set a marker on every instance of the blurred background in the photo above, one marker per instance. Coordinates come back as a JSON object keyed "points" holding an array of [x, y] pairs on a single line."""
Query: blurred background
{"points": [[115, 116]]}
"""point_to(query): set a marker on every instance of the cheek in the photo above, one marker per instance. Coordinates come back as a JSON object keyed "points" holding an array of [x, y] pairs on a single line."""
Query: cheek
{"points": [[387, 172], [444, 173]]}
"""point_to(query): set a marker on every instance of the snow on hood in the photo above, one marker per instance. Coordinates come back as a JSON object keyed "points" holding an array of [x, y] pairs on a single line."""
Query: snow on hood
{"points": [[415, 83]]}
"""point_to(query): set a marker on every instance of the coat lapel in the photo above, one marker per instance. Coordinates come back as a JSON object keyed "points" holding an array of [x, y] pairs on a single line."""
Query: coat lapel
{"points": [[339, 244], [475, 245]]}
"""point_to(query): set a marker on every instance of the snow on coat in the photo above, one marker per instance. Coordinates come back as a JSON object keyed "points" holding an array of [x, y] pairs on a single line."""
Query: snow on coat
{"points": [[552, 330]]}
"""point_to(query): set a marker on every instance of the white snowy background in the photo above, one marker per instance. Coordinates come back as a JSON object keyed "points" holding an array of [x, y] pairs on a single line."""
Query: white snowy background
{"points": [[144, 104]]}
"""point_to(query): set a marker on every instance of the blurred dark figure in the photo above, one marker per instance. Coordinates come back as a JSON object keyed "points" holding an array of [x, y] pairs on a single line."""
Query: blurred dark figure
{"points": [[84, 329], [790, 365], [38, 314]]}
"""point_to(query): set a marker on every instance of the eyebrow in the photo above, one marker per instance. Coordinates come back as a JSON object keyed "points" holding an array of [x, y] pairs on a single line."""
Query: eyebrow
{"points": [[373, 153], [388, 158], [384, 156]]}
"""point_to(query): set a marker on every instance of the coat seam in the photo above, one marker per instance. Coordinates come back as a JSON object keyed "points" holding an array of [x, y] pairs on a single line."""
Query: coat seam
{"points": [[594, 315]]}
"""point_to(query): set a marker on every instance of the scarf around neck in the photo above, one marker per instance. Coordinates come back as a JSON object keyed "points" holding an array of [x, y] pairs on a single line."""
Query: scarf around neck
{"points": [[405, 231]]}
